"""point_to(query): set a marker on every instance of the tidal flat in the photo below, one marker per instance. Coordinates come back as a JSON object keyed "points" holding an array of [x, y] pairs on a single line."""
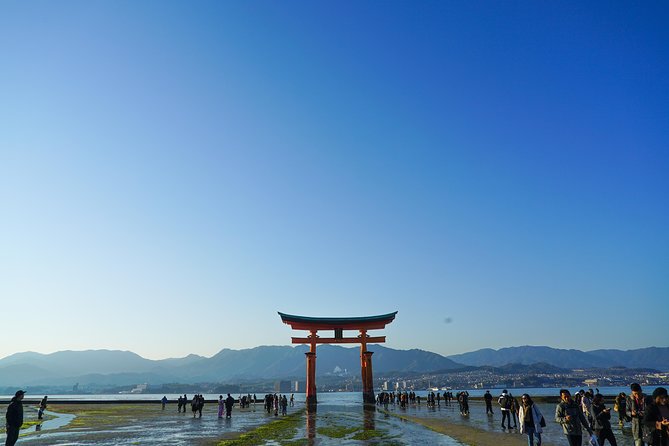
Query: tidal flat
{"points": [[146, 424], [337, 422]]}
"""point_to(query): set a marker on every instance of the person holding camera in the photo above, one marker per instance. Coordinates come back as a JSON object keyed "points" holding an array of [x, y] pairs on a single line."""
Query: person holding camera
{"points": [[636, 405], [601, 421]]}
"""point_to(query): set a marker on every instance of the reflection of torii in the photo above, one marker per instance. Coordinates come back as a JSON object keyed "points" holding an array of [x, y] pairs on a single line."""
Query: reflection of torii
{"points": [[338, 325]]}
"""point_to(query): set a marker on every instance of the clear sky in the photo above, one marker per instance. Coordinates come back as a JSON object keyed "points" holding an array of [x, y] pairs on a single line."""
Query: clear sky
{"points": [[174, 173]]}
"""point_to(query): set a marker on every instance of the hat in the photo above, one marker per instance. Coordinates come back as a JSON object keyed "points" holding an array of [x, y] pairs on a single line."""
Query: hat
{"points": [[20, 393]]}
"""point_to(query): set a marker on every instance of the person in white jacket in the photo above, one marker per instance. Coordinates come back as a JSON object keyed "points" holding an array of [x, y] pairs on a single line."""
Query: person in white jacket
{"points": [[531, 420]]}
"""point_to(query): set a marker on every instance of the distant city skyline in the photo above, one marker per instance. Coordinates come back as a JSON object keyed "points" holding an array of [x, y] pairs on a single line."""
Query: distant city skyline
{"points": [[173, 174]]}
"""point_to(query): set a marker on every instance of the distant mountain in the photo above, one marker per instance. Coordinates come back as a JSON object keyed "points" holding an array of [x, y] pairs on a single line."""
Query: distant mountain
{"points": [[110, 367], [652, 357], [113, 367]]}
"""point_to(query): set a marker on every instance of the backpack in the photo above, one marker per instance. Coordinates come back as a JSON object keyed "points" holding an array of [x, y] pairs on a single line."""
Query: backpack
{"points": [[505, 402]]}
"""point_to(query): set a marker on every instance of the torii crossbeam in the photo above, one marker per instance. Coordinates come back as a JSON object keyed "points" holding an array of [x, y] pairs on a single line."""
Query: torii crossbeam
{"points": [[338, 325]]}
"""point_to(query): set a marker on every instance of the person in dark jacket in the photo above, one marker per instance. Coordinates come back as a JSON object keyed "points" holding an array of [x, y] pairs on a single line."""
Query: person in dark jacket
{"points": [[14, 418], [42, 407], [621, 403], [229, 402], [601, 421], [569, 415], [656, 418], [488, 402], [636, 407]]}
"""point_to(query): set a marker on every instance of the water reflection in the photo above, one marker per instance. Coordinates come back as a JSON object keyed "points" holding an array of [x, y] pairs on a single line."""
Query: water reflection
{"points": [[369, 418], [311, 425]]}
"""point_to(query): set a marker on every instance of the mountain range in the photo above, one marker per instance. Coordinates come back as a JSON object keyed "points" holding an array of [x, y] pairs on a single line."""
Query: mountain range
{"points": [[113, 367], [651, 357]]}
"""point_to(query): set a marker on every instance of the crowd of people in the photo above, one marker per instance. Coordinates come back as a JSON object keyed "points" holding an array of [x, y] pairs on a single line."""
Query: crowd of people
{"points": [[648, 414], [585, 411]]}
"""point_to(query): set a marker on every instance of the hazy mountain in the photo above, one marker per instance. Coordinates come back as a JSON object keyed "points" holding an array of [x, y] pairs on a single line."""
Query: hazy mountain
{"points": [[653, 357], [265, 362], [111, 367], [21, 374]]}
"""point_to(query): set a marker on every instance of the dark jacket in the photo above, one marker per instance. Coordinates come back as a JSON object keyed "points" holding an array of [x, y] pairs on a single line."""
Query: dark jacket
{"points": [[600, 417], [651, 416], [229, 402], [15, 413], [577, 421]]}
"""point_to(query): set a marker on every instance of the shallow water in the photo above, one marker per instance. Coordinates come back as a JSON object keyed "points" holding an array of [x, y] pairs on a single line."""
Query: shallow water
{"points": [[478, 419], [171, 428]]}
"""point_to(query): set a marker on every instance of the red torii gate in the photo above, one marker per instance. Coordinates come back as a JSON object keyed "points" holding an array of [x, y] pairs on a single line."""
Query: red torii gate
{"points": [[338, 325]]}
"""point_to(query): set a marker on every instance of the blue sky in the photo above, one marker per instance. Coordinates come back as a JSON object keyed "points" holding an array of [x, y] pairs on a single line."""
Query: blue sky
{"points": [[172, 174]]}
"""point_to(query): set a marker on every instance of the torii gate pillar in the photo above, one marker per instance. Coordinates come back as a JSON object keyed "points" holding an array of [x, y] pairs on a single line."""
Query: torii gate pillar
{"points": [[339, 324]]}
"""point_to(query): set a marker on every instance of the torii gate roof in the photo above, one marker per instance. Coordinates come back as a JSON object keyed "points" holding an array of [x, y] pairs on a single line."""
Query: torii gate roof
{"points": [[331, 323]]}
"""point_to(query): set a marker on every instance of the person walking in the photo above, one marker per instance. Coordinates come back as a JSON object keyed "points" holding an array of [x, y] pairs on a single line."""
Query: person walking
{"points": [[531, 420], [636, 405], [163, 402], [221, 406], [601, 421], [656, 419], [284, 405], [42, 407], [621, 408], [505, 404], [514, 410], [14, 418], [488, 402], [229, 402], [569, 415]]}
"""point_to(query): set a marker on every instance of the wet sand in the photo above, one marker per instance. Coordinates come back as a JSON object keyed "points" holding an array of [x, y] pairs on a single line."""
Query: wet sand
{"points": [[481, 429], [127, 423], [470, 435]]}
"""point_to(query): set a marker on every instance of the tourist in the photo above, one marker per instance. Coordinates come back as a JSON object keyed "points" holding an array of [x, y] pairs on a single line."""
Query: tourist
{"points": [[42, 408], [488, 402], [621, 407], [463, 399], [505, 404], [569, 415], [194, 404], [14, 418], [514, 410], [601, 421], [636, 404], [229, 402], [656, 419], [221, 406], [586, 403], [531, 420], [163, 402], [284, 405]]}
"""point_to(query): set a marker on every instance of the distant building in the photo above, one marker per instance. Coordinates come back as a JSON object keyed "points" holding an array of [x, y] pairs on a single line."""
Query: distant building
{"points": [[591, 382], [283, 386]]}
